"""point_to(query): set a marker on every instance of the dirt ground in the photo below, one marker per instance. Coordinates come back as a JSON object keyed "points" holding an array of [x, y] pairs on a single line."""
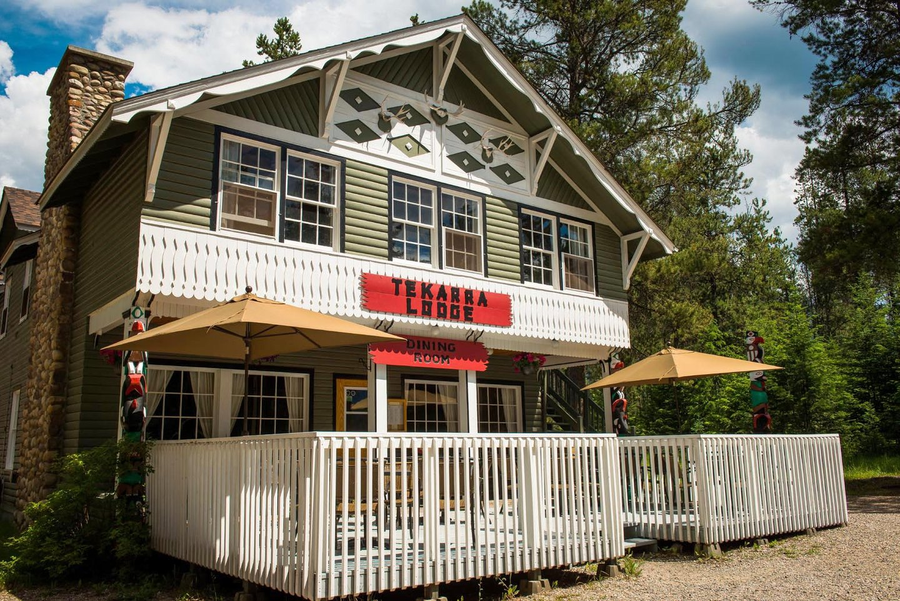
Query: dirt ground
{"points": [[859, 562]]}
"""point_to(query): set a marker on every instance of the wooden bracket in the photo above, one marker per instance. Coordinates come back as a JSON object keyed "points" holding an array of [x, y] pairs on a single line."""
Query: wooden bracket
{"points": [[550, 137], [444, 67], [159, 133], [629, 264], [330, 94]]}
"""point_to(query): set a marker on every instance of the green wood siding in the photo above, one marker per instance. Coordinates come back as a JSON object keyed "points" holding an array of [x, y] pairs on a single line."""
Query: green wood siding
{"points": [[552, 186], [184, 185], [608, 263], [14, 355], [504, 258], [293, 107], [411, 70], [106, 268], [366, 210]]}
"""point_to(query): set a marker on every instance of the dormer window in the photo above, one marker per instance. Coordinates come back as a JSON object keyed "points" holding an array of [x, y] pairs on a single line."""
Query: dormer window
{"points": [[249, 175]]}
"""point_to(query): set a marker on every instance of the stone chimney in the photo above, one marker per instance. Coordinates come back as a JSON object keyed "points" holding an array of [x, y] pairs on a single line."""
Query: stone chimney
{"points": [[85, 83]]}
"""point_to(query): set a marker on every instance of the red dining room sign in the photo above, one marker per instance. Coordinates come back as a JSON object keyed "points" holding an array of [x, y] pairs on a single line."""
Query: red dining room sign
{"points": [[431, 352], [385, 294]]}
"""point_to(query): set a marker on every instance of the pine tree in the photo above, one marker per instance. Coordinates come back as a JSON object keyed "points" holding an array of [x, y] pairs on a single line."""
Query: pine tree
{"points": [[286, 43]]}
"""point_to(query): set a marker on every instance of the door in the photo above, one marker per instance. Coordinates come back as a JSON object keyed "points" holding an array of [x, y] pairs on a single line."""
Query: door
{"points": [[351, 405]]}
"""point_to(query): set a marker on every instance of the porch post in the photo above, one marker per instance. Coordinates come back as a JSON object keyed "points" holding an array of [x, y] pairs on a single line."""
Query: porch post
{"points": [[378, 398], [607, 410], [468, 402]]}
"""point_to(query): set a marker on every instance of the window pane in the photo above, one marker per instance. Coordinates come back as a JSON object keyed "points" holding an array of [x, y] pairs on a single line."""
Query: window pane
{"points": [[413, 215]]}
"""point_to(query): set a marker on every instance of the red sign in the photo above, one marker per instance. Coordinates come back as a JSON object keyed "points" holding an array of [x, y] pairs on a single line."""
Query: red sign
{"points": [[385, 294], [431, 352]]}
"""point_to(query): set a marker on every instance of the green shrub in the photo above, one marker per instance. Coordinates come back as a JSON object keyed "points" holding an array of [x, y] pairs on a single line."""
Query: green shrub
{"points": [[81, 530]]}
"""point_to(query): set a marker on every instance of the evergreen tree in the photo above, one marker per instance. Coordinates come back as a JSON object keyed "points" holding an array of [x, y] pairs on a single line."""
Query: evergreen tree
{"points": [[286, 43], [626, 77]]}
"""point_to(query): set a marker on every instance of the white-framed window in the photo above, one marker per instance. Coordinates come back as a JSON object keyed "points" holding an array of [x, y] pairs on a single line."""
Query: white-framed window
{"points": [[461, 225], [26, 290], [248, 174], [575, 244], [538, 248], [499, 408], [179, 403], [4, 312], [311, 200], [277, 403], [412, 215], [431, 406], [13, 431]]}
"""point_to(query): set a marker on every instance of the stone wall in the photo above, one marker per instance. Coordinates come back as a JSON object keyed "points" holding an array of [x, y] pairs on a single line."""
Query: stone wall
{"points": [[85, 83]]}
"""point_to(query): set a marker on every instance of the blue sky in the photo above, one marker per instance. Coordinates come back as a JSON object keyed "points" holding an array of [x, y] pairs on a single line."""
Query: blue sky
{"points": [[171, 41]]}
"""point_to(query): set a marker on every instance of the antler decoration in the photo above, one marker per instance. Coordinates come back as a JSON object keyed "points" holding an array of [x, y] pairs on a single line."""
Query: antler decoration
{"points": [[439, 113], [387, 118], [488, 148]]}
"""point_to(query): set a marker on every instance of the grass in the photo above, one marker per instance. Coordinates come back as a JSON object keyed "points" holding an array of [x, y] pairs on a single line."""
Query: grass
{"points": [[865, 467]]}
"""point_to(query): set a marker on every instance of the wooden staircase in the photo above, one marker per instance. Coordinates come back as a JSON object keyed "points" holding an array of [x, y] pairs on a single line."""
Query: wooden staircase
{"points": [[566, 407]]}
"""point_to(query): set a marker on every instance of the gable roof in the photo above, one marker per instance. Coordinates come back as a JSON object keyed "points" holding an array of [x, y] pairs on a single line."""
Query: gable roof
{"points": [[22, 205], [508, 86]]}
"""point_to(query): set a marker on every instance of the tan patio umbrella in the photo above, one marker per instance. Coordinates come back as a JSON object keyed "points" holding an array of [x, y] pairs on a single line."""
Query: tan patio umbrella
{"points": [[671, 365], [249, 327]]}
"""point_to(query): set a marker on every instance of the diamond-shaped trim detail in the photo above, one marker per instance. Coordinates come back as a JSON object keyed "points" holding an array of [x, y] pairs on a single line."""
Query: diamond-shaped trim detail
{"points": [[358, 131], [415, 117], [511, 150], [409, 146], [465, 132], [507, 174], [359, 100], [466, 161]]}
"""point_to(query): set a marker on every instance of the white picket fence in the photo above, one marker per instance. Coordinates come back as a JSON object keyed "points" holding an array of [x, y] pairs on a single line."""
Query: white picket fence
{"points": [[323, 515], [718, 488]]}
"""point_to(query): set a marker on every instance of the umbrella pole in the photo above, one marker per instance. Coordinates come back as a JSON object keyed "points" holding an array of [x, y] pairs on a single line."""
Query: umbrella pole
{"points": [[245, 431]]}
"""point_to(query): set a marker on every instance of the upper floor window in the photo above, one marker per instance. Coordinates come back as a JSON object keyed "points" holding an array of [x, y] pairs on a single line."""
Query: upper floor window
{"points": [[538, 248], [543, 236], [412, 214], [578, 260], [249, 174], [4, 312], [461, 222], [310, 201], [26, 290]]}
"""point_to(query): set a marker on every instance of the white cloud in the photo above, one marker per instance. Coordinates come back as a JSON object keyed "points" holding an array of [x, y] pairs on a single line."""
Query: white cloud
{"points": [[6, 63], [24, 111], [172, 45], [775, 158]]}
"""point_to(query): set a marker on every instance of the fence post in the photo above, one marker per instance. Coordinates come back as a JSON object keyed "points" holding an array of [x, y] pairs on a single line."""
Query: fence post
{"points": [[703, 508]]}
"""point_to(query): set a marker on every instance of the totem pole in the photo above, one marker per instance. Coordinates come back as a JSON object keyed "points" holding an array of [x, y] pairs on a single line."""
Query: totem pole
{"points": [[134, 389], [759, 398], [619, 403]]}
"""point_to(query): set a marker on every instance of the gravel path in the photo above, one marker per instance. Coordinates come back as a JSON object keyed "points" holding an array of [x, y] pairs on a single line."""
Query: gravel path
{"points": [[860, 562]]}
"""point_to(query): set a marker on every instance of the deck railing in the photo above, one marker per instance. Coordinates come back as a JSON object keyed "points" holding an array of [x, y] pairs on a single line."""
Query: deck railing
{"points": [[717, 488], [324, 515]]}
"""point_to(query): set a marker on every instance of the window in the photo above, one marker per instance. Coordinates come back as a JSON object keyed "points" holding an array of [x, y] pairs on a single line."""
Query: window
{"points": [[4, 313], [461, 221], [13, 431], [179, 403], [578, 263], [310, 201], [249, 187], [498, 409], [431, 406], [26, 290], [538, 248], [412, 212], [276, 403]]}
